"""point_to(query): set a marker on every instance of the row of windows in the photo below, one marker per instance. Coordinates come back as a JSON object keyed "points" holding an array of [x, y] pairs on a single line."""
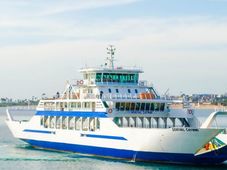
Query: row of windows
{"points": [[149, 122], [120, 78], [71, 105], [90, 75], [117, 90], [124, 106], [70, 123]]}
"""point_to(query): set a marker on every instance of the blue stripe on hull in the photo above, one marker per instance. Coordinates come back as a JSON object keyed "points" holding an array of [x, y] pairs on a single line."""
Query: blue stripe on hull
{"points": [[39, 131], [104, 137], [82, 134], [211, 158], [72, 113]]}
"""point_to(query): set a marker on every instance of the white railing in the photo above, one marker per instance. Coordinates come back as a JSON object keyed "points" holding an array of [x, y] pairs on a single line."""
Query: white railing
{"points": [[103, 96], [142, 83], [119, 96], [116, 68]]}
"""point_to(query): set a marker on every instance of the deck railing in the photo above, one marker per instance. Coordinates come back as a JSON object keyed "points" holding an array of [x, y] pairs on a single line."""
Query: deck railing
{"points": [[142, 83], [103, 96], [114, 96]]}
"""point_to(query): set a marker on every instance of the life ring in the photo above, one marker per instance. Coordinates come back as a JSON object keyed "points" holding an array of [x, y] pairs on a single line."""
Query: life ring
{"points": [[110, 110], [80, 82]]}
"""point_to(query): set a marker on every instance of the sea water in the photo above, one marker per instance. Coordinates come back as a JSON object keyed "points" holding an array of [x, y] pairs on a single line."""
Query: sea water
{"points": [[15, 154]]}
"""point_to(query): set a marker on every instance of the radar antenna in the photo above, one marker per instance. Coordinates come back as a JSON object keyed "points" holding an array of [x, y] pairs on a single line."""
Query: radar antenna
{"points": [[111, 52]]}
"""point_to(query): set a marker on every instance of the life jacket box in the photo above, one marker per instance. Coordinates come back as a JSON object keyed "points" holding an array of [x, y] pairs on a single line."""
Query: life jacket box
{"points": [[146, 96]]}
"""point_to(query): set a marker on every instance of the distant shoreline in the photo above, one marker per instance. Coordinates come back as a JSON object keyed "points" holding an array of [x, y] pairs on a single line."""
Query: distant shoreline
{"points": [[201, 106], [173, 106]]}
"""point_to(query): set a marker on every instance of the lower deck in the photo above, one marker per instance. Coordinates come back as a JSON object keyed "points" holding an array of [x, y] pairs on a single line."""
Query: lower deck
{"points": [[91, 122]]}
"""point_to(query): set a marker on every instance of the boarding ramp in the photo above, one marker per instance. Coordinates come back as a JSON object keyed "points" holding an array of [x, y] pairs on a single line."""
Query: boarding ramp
{"points": [[211, 118]]}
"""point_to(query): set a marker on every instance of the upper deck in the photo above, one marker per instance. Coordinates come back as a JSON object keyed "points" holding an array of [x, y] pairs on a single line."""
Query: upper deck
{"points": [[118, 93], [116, 76], [109, 84]]}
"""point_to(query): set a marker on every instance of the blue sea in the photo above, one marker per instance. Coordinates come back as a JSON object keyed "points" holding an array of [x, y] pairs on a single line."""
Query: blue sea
{"points": [[15, 154]]}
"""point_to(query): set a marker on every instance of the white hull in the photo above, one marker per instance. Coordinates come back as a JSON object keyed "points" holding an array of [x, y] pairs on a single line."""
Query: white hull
{"points": [[174, 141]]}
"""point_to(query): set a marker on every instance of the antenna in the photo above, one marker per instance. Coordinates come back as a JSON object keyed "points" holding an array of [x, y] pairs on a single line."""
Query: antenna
{"points": [[111, 52]]}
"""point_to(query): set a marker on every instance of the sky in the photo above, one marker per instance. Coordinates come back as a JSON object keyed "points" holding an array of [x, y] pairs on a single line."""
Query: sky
{"points": [[180, 44]]}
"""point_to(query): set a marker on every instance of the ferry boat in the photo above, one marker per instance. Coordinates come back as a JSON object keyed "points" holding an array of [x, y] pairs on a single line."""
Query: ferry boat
{"points": [[112, 113]]}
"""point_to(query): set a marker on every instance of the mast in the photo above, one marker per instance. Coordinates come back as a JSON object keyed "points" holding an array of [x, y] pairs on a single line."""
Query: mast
{"points": [[110, 59]]}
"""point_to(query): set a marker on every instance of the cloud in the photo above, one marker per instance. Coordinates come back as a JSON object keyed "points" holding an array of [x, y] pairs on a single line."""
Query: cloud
{"points": [[159, 32], [33, 8], [190, 49], [62, 7], [31, 22], [40, 50]]}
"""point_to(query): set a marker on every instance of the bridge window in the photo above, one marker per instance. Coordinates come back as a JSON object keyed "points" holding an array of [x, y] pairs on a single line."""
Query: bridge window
{"points": [[109, 90], [98, 77], [117, 91], [117, 77], [129, 91], [136, 91]]}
